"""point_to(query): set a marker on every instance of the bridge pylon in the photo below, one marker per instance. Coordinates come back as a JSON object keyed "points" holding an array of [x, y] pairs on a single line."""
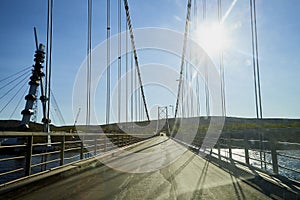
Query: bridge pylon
{"points": [[163, 120], [36, 80]]}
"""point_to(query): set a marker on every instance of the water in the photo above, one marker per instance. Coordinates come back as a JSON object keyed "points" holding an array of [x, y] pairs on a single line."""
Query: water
{"points": [[20, 163], [239, 155], [290, 163]]}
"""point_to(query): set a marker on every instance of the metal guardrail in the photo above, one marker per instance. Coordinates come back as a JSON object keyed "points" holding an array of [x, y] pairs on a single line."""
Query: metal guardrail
{"points": [[33, 150], [269, 151]]}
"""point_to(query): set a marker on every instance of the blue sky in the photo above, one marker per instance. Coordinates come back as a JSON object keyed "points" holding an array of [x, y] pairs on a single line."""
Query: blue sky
{"points": [[278, 32]]}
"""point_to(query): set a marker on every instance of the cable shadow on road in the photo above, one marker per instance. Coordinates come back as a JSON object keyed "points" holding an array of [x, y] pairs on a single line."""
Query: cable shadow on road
{"points": [[237, 188], [256, 181], [198, 191], [280, 180], [184, 165], [102, 168], [170, 176]]}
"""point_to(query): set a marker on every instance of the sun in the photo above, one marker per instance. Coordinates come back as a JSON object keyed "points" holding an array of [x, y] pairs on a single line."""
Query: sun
{"points": [[212, 37]]}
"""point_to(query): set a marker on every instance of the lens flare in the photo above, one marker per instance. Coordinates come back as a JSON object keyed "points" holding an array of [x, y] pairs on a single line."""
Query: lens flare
{"points": [[213, 37]]}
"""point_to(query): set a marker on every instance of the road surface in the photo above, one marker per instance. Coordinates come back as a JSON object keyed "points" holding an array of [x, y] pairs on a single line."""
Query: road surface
{"points": [[157, 169]]}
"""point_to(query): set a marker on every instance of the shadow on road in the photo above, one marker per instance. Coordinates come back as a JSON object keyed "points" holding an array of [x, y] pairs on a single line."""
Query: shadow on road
{"points": [[255, 180]]}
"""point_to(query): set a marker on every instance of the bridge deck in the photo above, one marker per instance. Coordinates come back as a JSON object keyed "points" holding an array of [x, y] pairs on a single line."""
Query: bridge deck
{"points": [[187, 177]]}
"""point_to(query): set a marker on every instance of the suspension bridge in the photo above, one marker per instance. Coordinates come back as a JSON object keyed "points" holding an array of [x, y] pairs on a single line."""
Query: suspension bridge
{"points": [[189, 149]]}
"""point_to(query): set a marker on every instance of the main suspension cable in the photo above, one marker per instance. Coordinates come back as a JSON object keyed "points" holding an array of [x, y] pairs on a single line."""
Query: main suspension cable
{"points": [[183, 54], [135, 57]]}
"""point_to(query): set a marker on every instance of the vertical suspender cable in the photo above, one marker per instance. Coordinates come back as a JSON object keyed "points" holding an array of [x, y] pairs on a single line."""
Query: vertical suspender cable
{"points": [[207, 97], [190, 89], [262, 147], [47, 49], [220, 61], [197, 76], [182, 101], [204, 9], [138, 105], [135, 95], [192, 92], [198, 96], [256, 70], [222, 79], [187, 22], [258, 82], [258, 85], [132, 91], [186, 88], [257, 63], [108, 64], [255, 60], [49, 61], [89, 63], [126, 75], [119, 59], [141, 107]]}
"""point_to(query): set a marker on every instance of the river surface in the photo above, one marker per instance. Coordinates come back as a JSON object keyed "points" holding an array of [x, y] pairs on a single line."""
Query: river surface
{"points": [[20, 163], [283, 161]]}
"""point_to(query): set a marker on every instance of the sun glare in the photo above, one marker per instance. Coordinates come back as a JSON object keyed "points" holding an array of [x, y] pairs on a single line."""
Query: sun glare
{"points": [[212, 37]]}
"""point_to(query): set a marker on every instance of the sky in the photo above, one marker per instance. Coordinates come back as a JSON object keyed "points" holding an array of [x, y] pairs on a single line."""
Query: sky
{"points": [[278, 39]]}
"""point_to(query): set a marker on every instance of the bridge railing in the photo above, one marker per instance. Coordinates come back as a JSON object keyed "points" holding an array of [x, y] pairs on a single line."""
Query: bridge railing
{"points": [[264, 153], [26, 153]]}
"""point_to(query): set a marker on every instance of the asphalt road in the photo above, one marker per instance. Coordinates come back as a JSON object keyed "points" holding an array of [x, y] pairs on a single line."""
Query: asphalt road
{"points": [[157, 169]]}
